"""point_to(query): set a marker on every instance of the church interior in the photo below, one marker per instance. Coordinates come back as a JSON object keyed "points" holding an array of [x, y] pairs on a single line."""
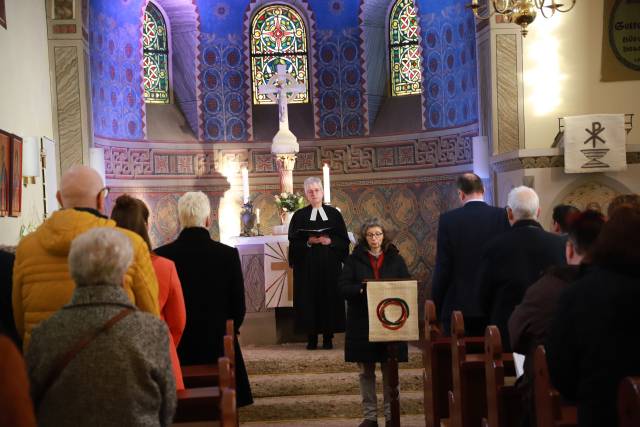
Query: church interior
{"points": [[394, 100]]}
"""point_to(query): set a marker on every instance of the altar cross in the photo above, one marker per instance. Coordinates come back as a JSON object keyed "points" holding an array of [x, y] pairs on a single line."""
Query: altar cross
{"points": [[281, 88]]}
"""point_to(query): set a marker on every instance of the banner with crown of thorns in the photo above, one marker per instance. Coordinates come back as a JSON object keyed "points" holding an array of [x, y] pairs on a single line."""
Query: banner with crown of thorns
{"points": [[393, 310]]}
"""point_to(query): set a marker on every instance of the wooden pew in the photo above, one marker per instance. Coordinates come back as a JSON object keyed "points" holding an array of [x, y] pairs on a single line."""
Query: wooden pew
{"points": [[436, 360], [209, 403], [504, 402], [468, 397], [550, 412], [207, 375], [629, 402]]}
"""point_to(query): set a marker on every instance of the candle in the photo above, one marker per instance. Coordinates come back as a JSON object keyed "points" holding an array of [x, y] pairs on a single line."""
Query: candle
{"points": [[245, 185], [326, 183], [258, 216]]}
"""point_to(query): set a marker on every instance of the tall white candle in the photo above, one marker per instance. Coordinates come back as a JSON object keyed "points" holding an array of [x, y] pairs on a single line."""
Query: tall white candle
{"points": [[258, 216], [326, 183], [245, 185]]}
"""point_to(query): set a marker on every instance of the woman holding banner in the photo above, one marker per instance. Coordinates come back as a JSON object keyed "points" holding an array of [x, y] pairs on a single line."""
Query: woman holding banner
{"points": [[375, 257]]}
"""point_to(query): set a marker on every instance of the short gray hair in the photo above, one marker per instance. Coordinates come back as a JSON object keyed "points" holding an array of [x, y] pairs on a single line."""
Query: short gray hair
{"points": [[524, 203], [100, 256], [193, 209], [310, 181]]}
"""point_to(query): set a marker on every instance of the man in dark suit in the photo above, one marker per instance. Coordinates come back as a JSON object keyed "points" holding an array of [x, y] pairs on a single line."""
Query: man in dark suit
{"points": [[461, 234], [213, 288], [513, 261]]}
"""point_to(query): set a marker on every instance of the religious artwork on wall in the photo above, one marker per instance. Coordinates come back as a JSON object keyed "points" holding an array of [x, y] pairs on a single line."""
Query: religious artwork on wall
{"points": [[3, 14], [156, 56], [278, 37], [5, 172], [15, 202], [620, 41], [404, 49]]}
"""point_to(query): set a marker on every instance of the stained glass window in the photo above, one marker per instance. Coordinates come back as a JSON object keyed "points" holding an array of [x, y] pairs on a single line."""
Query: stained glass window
{"points": [[278, 36], [156, 56], [404, 49]]}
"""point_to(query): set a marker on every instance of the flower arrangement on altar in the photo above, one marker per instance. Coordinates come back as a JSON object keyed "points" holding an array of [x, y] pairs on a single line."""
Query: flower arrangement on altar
{"points": [[289, 202]]}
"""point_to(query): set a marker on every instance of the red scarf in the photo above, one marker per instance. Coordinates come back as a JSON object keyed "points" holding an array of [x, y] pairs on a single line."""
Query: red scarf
{"points": [[376, 264]]}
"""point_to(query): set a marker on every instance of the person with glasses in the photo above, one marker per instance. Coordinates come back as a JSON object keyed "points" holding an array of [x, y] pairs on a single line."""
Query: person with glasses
{"points": [[375, 257], [41, 281]]}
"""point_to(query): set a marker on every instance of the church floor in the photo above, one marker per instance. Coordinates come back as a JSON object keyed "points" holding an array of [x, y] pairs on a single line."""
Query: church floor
{"points": [[293, 386]]}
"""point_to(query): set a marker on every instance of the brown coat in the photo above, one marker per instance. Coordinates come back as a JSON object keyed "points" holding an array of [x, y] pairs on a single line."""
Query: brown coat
{"points": [[122, 378]]}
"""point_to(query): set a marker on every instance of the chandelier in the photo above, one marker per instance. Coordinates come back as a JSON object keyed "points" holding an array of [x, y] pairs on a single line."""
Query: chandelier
{"points": [[521, 12]]}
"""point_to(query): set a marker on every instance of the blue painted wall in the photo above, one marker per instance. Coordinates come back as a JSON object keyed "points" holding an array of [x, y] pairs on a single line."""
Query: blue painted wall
{"points": [[116, 79], [448, 57]]}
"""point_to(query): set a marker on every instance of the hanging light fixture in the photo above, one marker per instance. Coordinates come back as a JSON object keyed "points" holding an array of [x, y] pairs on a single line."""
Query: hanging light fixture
{"points": [[521, 12]]}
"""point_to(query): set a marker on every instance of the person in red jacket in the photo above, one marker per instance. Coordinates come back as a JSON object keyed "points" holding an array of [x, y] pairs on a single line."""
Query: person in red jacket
{"points": [[133, 214]]}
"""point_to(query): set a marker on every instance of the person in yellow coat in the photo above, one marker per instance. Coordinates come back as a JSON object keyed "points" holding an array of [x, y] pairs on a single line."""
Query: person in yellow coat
{"points": [[41, 280]]}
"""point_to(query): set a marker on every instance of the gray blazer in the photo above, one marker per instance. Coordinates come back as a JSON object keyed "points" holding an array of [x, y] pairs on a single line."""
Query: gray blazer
{"points": [[122, 378]]}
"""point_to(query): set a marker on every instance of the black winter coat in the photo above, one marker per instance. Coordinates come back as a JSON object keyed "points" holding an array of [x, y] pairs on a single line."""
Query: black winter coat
{"points": [[357, 268], [512, 262], [211, 277]]}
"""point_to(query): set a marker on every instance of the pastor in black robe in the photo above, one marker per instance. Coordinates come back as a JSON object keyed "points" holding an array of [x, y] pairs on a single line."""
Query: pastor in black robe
{"points": [[319, 307]]}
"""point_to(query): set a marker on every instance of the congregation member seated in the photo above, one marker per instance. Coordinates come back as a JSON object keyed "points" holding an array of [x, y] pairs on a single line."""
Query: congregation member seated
{"points": [[213, 289], [133, 214], [375, 257], [593, 338], [100, 361], [560, 217], [514, 260], [529, 322], [41, 281]]}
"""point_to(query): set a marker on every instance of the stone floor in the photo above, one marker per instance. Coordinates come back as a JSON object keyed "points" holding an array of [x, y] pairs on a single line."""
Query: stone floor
{"points": [[294, 387]]}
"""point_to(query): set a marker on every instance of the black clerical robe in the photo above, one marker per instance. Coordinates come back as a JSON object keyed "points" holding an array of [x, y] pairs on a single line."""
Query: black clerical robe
{"points": [[319, 307]]}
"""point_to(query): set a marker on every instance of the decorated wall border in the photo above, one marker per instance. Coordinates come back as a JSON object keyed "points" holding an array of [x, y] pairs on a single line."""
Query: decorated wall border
{"points": [[425, 150], [543, 162]]}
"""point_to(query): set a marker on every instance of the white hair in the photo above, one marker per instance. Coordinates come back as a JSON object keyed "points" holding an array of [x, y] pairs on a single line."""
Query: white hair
{"points": [[100, 256], [193, 209], [524, 203], [311, 181]]}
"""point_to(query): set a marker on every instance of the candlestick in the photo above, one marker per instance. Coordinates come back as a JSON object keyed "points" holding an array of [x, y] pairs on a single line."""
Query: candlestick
{"points": [[245, 185], [258, 216], [326, 183]]}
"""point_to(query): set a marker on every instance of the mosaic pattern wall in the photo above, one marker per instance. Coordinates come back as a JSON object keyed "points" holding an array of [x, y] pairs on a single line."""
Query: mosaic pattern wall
{"points": [[449, 62], [336, 67], [116, 76], [164, 226], [409, 208], [222, 85]]}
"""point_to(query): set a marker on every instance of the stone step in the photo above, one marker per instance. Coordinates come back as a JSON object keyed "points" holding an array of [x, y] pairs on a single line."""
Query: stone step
{"points": [[325, 383], [295, 358], [405, 421], [321, 406]]}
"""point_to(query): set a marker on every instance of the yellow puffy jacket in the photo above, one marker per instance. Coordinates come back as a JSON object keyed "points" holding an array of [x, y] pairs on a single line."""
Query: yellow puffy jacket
{"points": [[41, 280]]}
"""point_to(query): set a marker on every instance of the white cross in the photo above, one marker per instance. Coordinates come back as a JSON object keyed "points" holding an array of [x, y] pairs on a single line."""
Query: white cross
{"points": [[280, 88]]}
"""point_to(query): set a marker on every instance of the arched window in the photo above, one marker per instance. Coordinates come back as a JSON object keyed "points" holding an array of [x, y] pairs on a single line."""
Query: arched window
{"points": [[155, 47], [404, 49], [278, 36]]}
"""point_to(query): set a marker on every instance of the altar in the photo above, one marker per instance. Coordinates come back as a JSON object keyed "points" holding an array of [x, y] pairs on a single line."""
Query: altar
{"points": [[268, 288]]}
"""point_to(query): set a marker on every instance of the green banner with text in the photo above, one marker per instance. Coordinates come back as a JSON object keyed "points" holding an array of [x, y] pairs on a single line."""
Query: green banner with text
{"points": [[621, 40]]}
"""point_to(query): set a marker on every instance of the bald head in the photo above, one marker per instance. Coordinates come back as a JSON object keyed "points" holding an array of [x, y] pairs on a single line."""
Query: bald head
{"points": [[80, 187]]}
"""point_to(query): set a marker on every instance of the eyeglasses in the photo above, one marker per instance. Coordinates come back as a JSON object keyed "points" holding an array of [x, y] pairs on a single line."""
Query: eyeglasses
{"points": [[104, 192], [372, 235]]}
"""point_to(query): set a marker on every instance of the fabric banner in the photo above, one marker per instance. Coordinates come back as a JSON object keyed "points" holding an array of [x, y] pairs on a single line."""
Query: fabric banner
{"points": [[393, 310], [621, 40], [594, 143]]}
